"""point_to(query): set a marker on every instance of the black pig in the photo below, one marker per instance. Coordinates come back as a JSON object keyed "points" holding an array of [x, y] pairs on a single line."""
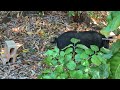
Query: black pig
{"points": [[86, 38]]}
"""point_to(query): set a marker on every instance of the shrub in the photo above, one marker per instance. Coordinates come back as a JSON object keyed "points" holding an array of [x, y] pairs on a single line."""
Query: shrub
{"points": [[115, 60], [76, 62]]}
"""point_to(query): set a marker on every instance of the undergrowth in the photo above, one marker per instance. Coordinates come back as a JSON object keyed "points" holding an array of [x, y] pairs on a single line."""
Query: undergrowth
{"points": [[76, 62]]}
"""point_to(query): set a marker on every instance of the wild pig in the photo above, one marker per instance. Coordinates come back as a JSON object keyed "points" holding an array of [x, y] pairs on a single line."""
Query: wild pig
{"points": [[86, 38]]}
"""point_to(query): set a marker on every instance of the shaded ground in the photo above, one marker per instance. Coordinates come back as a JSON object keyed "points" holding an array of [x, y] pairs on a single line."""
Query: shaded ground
{"points": [[35, 33]]}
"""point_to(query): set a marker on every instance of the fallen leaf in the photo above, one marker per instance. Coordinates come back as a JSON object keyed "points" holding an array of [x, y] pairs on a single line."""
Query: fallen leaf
{"points": [[18, 45], [16, 29], [30, 33], [37, 47], [18, 15], [37, 22], [41, 33], [25, 50], [2, 51], [33, 72]]}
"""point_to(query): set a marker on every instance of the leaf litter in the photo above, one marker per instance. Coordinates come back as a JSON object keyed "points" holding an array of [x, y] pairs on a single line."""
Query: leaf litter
{"points": [[34, 33]]}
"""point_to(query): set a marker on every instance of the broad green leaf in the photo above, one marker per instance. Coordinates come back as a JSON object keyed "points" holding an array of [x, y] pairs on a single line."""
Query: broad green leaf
{"points": [[114, 63], [46, 77], [113, 23], [100, 53], [103, 60], [104, 50], [58, 77], [94, 48], [87, 69], [84, 62], [54, 62], [53, 75], [94, 72], [68, 57], [71, 65], [81, 46], [77, 58], [72, 74], [47, 71], [114, 13], [49, 52], [68, 50], [80, 67], [95, 60], [56, 50], [40, 76], [79, 51], [104, 71], [62, 53], [107, 56], [117, 73], [84, 56], [86, 76], [96, 75], [89, 52], [48, 60], [64, 75], [115, 47], [78, 74], [74, 40], [61, 60], [59, 68], [105, 32]]}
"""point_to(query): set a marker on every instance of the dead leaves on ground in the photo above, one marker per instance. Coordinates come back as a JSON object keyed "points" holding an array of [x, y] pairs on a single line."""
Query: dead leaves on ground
{"points": [[34, 34]]}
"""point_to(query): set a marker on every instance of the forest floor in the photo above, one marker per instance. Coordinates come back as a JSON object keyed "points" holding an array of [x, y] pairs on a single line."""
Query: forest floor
{"points": [[35, 33]]}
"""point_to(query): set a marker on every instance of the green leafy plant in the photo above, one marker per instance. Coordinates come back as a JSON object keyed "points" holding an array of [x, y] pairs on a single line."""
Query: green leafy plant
{"points": [[71, 13], [76, 62], [115, 60], [113, 20]]}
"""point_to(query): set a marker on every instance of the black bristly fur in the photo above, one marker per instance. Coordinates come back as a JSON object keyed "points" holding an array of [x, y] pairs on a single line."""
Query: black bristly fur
{"points": [[86, 38]]}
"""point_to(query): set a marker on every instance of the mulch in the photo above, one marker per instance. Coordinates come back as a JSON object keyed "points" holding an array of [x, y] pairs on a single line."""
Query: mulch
{"points": [[34, 32]]}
